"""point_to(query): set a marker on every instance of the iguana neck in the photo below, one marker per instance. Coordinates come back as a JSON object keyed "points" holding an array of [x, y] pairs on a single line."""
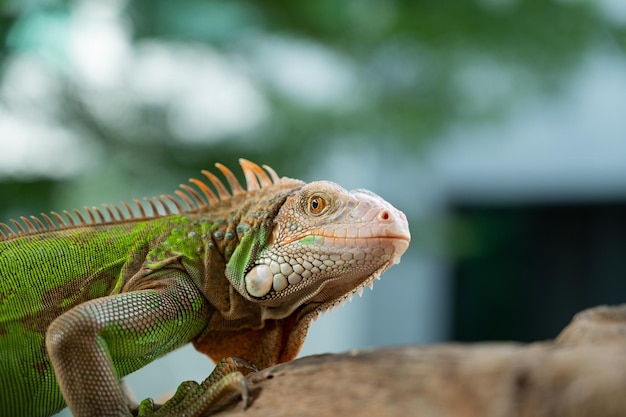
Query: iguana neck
{"points": [[243, 218]]}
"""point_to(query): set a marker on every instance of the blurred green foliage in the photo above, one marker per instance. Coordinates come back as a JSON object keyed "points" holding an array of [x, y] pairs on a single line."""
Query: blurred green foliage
{"points": [[414, 68], [406, 56]]}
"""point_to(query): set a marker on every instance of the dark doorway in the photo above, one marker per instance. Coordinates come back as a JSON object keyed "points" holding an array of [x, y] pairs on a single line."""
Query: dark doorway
{"points": [[521, 272]]}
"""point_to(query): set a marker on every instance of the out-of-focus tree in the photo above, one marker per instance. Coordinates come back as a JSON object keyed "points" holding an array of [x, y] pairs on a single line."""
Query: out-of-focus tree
{"points": [[171, 84]]}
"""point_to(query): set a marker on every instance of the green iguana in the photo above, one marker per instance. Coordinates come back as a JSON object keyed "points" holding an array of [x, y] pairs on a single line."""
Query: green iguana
{"points": [[88, 298]]}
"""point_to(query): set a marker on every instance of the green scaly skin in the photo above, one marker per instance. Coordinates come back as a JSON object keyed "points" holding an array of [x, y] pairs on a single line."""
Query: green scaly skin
{"points": [[240, 274]]}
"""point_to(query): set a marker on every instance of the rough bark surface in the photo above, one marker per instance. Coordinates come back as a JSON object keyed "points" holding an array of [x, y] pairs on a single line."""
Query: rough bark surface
{"points": [[581, 373]]}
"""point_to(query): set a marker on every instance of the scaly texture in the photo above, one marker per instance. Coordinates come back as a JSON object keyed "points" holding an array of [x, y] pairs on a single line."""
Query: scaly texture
{"points": [[90, 297]]}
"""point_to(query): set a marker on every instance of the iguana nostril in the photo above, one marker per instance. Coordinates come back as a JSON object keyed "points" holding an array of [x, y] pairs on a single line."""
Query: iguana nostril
{"points": [[384, 215]]}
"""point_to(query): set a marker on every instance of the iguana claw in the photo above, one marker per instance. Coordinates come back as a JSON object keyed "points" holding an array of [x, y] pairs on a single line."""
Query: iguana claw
{"points": [[194, 400]]}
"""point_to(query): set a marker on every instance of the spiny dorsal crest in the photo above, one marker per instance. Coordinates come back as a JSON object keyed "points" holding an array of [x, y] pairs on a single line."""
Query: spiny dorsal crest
{"points": [[166, 204]]}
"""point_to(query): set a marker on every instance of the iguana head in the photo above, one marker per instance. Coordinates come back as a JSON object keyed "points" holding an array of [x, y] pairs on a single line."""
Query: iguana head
{"points": [[300, 250], [324, 245]]}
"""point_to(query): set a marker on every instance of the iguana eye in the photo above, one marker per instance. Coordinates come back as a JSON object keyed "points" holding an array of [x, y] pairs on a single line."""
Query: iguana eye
{"points": [[317, 204]]}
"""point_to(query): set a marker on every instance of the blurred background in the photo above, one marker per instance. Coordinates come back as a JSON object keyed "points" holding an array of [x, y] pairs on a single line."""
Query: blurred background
{"points": [[497, 126]]}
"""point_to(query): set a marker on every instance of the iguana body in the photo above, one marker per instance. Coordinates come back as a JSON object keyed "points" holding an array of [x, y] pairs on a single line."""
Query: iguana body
{"points": [[239, 274]]}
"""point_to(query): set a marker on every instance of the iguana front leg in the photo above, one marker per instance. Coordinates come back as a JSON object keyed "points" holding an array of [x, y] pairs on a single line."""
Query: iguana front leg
{"points": [[94, 344]]}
